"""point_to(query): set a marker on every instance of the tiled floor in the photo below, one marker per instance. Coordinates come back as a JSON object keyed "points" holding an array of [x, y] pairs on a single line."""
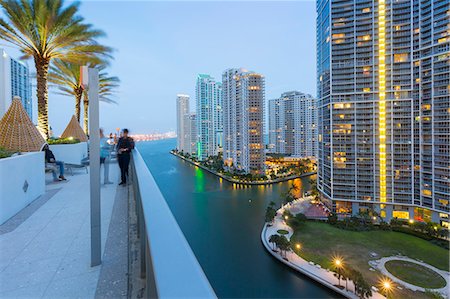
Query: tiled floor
{"points": [[48, 255]]}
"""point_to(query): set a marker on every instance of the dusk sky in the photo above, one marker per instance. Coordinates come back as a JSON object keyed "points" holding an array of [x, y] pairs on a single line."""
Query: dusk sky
{"points": [[162, 46]]}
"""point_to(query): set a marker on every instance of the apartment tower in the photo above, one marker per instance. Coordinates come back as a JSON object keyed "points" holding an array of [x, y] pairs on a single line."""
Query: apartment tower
{"points": [[383, 101], [192, 135], [293, 125], [183, 123], [243, 120], [209, 116]]}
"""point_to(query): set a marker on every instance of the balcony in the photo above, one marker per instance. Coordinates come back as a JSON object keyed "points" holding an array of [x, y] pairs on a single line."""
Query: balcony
{"points": [[45, 249]]}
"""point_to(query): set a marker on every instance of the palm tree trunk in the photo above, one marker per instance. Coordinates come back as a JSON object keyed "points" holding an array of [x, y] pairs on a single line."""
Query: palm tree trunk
{"points": [[78, 96], [42, 65], [86, 114]]}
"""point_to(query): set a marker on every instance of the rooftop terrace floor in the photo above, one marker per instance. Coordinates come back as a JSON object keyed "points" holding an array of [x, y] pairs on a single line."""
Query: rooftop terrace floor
{"points": [[45, 249]]}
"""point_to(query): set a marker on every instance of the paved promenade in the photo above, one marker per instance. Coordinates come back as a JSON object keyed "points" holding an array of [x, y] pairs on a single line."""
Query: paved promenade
{"points": [[323, 276], [45, 249]]}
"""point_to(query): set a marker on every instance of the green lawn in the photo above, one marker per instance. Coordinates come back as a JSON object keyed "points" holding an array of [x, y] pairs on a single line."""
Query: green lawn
{"points": [[282, 232], [321, 241], [415, 274]]}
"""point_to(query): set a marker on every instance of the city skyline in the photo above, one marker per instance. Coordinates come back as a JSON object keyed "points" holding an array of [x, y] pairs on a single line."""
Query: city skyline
{"points": [[148, 61], [339, 191]]}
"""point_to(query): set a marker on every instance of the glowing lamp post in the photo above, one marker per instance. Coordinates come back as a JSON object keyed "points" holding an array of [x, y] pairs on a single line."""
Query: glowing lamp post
{"points": [[338, 264], [386, 286]]}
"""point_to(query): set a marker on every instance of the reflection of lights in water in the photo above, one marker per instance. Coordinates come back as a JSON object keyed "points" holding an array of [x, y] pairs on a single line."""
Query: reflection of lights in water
{"points": [[199, 180]]}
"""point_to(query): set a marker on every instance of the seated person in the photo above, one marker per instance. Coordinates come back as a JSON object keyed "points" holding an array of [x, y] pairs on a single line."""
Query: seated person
{"points": [[52, 162]]}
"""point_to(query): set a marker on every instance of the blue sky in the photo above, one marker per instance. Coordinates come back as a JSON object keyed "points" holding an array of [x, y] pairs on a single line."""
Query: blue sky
{"points": [[162, 46]]}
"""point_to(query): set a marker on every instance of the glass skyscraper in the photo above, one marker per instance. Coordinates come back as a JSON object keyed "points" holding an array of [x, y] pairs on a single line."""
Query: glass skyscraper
{"points": [[384, 107], [14, 81], [209, 116]]}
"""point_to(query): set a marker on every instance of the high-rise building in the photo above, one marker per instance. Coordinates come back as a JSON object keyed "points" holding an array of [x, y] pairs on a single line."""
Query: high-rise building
{"points": [[183, 123], [193, 135], [384, 124], [209, 116], [14, 81], [243, 120], [293, 125]]}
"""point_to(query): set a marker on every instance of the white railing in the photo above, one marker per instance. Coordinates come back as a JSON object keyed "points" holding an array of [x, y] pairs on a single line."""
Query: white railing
{"points": [[168, 264]]}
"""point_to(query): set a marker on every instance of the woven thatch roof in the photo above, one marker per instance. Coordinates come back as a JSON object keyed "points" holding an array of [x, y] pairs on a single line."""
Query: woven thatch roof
{"points": [[17, 132], [74, 130]]}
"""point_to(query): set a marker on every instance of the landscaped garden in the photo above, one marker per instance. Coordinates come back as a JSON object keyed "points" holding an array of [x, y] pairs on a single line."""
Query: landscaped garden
{"points": [[357, 248], [415, 274]]}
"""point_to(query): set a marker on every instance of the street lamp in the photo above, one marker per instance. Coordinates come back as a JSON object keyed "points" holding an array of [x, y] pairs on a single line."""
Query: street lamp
{"points": [[386, 286], [338, 264], [298, 246]]}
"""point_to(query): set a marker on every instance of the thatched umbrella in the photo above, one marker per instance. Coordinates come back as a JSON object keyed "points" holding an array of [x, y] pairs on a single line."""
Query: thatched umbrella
{"points": [[74, 130], [17, 132]]}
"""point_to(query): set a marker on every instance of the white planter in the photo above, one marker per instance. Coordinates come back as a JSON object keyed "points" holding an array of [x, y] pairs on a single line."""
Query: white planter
{"points": [[70, 153], [22, 180]]}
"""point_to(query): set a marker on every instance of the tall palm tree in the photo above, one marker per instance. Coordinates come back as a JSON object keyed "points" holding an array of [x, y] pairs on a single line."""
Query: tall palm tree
{"points": [[107, 88], [65, 76], [45, 30]]}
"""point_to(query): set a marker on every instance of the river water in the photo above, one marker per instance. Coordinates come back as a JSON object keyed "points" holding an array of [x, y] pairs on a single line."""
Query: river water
{"points": [[223, 223]]}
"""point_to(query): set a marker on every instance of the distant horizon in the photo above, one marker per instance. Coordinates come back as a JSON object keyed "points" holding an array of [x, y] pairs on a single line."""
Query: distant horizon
{"points": [[161, 53]]}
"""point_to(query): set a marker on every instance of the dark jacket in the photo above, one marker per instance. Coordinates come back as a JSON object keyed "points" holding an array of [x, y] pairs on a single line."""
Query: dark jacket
{"points": [[49, 157], [126, 144]]}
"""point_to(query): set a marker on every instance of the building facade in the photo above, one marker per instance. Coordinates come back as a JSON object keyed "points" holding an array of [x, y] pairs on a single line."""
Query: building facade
{"points": [[209, 116], [243, 120], [183, 123], [384, 124], [293, 125], [193, 135], [14, 81]]}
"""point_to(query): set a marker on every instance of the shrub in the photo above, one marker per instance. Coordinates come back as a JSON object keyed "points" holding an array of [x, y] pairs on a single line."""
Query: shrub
{"points": [[4, 153], [62, 141]]}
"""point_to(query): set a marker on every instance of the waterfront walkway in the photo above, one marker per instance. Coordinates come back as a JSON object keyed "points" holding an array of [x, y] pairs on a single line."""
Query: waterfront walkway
{"points": [[315, 272], [243, 182], [45, 248]]}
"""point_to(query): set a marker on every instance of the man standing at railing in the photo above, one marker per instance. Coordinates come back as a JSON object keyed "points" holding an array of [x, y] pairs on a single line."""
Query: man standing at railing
{"points": [[124, 147]]}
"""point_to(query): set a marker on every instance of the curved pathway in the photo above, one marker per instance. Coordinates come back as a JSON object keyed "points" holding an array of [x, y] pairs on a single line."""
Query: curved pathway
{"points": [[315, 272], [380, 265]]}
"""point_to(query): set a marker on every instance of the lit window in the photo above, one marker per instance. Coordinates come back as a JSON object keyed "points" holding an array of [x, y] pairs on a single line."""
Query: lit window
{"points": [[403, 57], [400, 214], [426, 192], [338, 35]]}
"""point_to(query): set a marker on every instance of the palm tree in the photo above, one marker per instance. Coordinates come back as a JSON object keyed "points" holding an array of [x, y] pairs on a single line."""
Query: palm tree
{"points": [[45, 30], [274, 240], [65, 76], [107, 87]]}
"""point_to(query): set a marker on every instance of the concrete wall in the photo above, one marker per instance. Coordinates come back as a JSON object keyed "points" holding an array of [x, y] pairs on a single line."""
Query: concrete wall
{"points": [[70, 153], [22, 180]]}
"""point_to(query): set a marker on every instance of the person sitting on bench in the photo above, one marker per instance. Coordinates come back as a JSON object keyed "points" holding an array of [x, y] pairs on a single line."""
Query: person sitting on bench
{"points": [[51, 161]]}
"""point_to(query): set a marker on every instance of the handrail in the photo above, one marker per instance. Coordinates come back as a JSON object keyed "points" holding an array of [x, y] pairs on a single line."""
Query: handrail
{"points": [[170, 267]]}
